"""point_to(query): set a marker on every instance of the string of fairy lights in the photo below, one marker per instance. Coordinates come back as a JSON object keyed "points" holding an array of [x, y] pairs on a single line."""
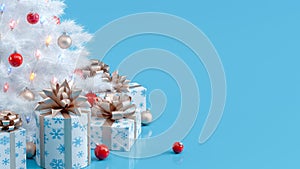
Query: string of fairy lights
{"points": [[16, 59]]}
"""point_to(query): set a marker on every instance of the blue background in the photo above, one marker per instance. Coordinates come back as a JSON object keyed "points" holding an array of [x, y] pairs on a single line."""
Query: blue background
{"points": [[258, 43]]}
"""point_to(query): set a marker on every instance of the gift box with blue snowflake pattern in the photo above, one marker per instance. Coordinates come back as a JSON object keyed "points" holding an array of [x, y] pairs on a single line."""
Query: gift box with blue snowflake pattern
{"points": [[116, 135], [13, 149], [138, 97], [66, 141]]}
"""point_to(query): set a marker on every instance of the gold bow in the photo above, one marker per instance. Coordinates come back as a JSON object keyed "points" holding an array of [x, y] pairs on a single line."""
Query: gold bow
{"points": [[94, 68], [9, 121], [119, 83], [114, 107], [64, 99]]}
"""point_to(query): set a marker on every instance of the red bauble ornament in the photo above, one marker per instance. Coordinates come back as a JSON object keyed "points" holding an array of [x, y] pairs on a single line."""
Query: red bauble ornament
{"points": [[178, 147], [15, 59], [91, 98], [33, 18], [101, 151]]}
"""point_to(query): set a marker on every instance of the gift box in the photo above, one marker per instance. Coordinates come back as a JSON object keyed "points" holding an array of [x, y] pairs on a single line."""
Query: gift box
{"points": [[12, 142], [116, 135], [63, 126], [138, 97], [114, 122]]}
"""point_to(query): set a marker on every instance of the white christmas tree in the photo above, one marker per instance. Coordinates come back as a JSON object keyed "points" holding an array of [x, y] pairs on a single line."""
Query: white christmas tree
{"points": [[36, 48]]}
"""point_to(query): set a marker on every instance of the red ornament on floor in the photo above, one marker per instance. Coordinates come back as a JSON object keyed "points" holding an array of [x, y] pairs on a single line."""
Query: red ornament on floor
{"points": [[178, 147], [33, 18], [101, 151], [91, 98], [15, 59]]}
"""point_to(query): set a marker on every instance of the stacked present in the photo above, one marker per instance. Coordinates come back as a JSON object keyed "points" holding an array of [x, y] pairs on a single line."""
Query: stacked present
{"points": [[129, 94], [12, 141], [63, 120]]}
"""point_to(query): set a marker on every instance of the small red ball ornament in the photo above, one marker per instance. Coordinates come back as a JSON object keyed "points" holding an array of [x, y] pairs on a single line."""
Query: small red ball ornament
{"points": [[91, 98], [33, 18], [178, 147], [101, 151], [15, 59]]}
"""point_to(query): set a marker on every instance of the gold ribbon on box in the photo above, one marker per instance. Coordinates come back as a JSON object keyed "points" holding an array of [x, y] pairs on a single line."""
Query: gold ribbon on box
{"points": [[95, 68], [10, 121], [65, 100], [111, 108], [119, 83]]}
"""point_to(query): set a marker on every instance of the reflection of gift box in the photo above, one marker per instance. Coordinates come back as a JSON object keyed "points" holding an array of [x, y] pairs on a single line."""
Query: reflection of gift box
{"points": [[117, 135], [62, 141], [138, 97], [13, 149]]}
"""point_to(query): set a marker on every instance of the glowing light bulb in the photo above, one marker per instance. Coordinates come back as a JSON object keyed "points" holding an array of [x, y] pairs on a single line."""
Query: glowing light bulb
{"points": [[37, 54], [2, 8], [9, 69], [12, 24], [42, 20], [32, 76], [5, 87], [48, 40]]}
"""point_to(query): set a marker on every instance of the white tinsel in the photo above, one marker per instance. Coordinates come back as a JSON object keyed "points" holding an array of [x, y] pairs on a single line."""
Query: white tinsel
{"points": [[26, 39]]}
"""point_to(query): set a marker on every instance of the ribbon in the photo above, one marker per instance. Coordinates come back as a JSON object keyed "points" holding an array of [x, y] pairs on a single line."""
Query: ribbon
{"points": [[9, 121], [114, 107], [94, 68], [111, 108], [119, 83], [64, 99]]}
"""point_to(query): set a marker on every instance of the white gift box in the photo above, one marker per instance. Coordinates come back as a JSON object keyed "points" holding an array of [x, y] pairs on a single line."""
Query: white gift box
{"points": [[13, 149], [138, 97], [63, 140], [116, 135]]}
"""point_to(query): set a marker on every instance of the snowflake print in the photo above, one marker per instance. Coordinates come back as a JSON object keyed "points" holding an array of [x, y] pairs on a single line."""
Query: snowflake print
{"points": [[56, 134], [58, 120], [7, 151], [4, 140], [133, 92], [19, 144], [37, 152], [46, 153], [123, 135], [115, 145], [141, 105], [80, 154], [46, 139], [17, 155], [75, 124], [77, 141], [82, 128], [61, 149], [23, 161], [143, 93], [76, 166], [23, 132], [5, 161], [47, 123], [57, 164]]}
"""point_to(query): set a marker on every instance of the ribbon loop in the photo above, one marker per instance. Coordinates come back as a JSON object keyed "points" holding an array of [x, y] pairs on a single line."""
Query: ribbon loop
{"points": [[62, 99], [94, 68], [9, 121], [114, 107]]}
